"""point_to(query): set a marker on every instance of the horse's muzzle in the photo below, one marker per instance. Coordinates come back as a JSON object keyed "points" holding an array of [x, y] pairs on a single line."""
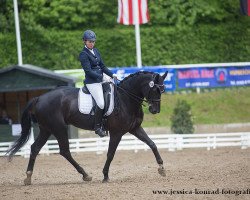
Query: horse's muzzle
{"points": [[154, 109]]}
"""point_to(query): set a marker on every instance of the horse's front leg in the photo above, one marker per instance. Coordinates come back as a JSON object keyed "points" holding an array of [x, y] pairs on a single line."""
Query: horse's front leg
{"points": [[113, 143], [142, 135]]}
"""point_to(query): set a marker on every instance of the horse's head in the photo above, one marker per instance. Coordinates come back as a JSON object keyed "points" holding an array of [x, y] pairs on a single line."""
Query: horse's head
{"points": [[145, 85], [153, 91]]}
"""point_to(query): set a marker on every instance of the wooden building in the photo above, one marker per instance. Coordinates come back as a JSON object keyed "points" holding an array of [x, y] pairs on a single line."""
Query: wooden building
{"points": [[18, 84]]}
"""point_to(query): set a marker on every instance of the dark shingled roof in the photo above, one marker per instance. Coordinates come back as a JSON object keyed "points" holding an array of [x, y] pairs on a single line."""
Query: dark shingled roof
{"points": [[30, 77]]}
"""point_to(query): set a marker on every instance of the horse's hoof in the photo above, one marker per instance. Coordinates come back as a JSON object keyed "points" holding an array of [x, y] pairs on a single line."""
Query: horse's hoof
{"points": [[105, 180], [27, 181], [87, 178], [162, 171]]}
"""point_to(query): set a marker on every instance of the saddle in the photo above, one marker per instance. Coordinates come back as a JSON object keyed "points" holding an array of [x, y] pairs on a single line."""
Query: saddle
{"points": [[86, 103]]}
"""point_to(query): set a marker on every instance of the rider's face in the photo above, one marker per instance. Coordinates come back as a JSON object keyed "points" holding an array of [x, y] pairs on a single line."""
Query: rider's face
{"points": [[90, 44]]}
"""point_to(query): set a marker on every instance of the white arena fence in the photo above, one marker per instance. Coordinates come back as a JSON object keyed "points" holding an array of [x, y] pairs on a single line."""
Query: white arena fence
{"points": [[170, 142]]}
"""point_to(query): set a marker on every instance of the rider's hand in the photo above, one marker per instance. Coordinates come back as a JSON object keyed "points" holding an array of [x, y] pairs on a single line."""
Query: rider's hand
{"points": [[115, 77]]}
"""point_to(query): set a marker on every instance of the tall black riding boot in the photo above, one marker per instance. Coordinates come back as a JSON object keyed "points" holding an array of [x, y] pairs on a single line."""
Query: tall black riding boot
{"points": [[98, 122]]}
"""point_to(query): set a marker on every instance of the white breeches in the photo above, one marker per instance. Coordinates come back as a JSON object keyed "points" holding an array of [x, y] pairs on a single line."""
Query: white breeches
{"points": [[96, 91]]}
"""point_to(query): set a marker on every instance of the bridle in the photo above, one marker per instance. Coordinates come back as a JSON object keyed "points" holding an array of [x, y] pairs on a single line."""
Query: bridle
{"points": [[160, 88]]}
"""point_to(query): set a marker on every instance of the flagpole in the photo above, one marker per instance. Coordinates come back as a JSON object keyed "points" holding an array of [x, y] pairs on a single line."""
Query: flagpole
{"points": [[137, 36], [18, 37]]}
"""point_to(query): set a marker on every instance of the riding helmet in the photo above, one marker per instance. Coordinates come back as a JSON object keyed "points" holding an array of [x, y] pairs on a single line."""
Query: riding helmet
{"points": [[89, 35]]}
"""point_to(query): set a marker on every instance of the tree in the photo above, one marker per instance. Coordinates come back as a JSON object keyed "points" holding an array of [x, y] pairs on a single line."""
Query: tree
{"points": [[181, 120]]}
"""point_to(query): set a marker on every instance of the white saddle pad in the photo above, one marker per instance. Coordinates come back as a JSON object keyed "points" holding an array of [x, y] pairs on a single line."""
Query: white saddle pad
{"points": [[85, 102]]}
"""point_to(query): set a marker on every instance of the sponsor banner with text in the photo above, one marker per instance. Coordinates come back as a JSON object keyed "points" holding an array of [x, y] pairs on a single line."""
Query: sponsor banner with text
{"points": [[213, 77]]}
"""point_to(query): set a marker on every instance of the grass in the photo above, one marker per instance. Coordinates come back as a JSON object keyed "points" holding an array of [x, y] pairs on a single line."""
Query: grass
{"points": [[215, 107]]}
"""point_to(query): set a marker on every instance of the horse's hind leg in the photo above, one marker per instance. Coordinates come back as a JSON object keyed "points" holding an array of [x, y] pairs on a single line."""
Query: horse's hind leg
{"points": [[65, 152], [35, 148]]}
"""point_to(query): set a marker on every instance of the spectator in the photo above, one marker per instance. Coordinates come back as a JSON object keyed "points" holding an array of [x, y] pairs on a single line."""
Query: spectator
{"points": [[4, 118]]}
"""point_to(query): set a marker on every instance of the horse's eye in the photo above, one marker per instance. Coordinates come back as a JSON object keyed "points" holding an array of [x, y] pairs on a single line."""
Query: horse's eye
{"points": [[162, 89]]}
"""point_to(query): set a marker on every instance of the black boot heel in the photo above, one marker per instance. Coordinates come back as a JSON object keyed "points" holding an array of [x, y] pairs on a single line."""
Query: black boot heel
{"points": [[98, 122]]}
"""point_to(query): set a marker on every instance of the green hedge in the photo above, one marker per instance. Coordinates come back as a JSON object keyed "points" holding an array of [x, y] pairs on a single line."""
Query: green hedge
{"points": [[53, 49], [76, 14], [179, 31]]}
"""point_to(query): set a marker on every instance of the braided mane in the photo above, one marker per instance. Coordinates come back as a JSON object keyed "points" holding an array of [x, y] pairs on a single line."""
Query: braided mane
{"points": [[135, 74]]}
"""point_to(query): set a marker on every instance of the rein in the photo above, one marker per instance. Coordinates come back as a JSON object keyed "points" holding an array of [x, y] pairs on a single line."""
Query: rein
{"points": [[137, 98], [133, 96]]}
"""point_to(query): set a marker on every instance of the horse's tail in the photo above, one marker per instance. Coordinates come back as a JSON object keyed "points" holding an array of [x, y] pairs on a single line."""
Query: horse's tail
{"points": [[26, 130]]}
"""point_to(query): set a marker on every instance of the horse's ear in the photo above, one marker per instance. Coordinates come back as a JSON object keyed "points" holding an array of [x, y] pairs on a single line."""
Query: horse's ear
{"points": [[165, 75], [156, 79]]}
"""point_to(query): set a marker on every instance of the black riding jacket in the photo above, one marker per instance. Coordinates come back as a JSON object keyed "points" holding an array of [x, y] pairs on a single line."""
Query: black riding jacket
{"points": [[93, 66]]}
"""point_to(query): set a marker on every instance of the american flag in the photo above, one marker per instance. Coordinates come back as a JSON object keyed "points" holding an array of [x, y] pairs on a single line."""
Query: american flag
{"points": [[245, 7], [127, 12]]}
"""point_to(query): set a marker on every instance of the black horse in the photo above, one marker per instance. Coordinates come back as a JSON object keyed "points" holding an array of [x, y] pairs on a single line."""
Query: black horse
{"points": [[58, 108]]}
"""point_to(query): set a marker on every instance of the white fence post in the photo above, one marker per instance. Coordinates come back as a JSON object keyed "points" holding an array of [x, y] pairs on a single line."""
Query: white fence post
{"points": [[214, 141], [179, 142], [171, 140], [46, 149], [208, 143], [99, 148], [245, 141], [26, 149], [135, 145], [77, 146]]}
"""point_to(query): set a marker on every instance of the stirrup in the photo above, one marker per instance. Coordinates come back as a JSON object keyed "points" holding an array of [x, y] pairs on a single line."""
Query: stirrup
{"points": [[100, 132]]}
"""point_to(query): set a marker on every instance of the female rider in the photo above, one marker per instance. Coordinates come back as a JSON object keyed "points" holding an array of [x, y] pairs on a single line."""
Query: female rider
{"points": [[94, 68]]}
